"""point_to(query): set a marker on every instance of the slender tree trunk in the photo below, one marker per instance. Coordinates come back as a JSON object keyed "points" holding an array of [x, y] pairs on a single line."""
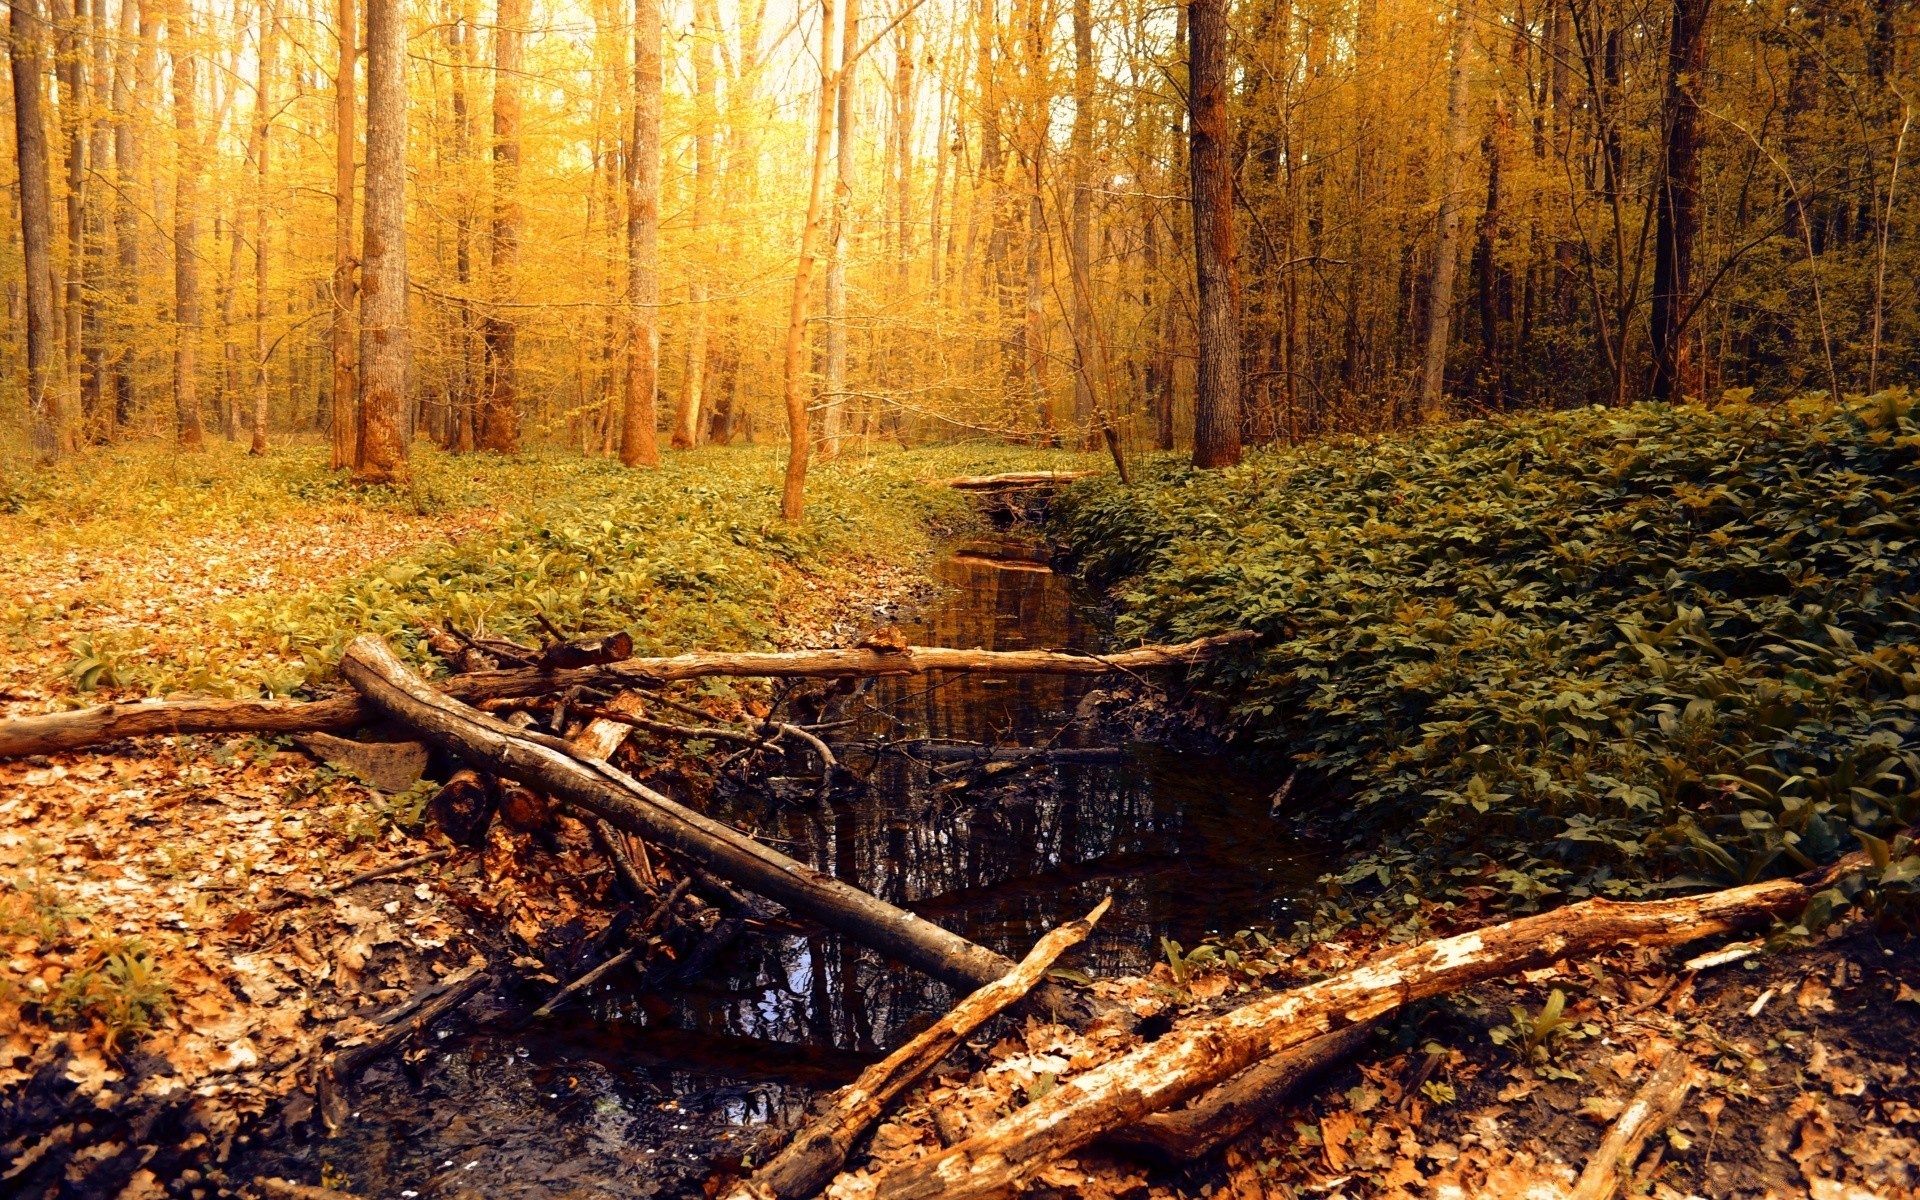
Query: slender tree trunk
{"points": [[500, 424], [381, 453], [639, 443], [128, 97], [467, 373], [70, 68], [346, 387], [799, 437], [1677, 204], [693, 381], [1216, 415], [186, 228], [1446, 250], [26, 39], [262, 136], [94, 232], [1488, 253], [833, 402], [1081, 239]]}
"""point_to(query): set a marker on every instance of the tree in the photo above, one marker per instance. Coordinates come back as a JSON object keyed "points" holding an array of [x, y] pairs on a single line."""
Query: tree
{"points": [[25, 40], [1216, 418], [1676, 204], [693, 381], [186, 228], [500, 418], [381, 452], [346, 388], [1446, 245], [834, 401], [639, 440], [262, 139], [1080, 242], [793, 495]]}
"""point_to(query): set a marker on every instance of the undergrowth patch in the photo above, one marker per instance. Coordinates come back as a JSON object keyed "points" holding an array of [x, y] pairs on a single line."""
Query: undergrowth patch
{"points": [[1597, 652]]}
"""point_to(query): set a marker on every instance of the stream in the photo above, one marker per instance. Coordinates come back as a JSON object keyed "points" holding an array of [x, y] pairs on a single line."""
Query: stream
{"points": [[638, 1096]]}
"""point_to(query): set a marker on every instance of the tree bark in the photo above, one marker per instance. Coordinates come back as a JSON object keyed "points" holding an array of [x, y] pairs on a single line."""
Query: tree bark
{"points": [[693, 381], [504, 750], [1446, 246], [346, 388], [262, 140], [808, 1162], [793, 495], [1080, 241], [186, 228], [1183, 1063], [26, 39], [639, 440], [500, 418], [129, 95], [110, 722], [1677, 203], [1216, 420], [381, 454], [1652, 1108], [833, 400]]}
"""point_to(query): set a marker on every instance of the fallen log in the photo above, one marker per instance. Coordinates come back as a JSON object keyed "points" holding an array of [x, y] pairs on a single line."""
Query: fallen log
{"points": [[1187, 1061], [809, 1161], [549, 765], [54, 732], [1011, 479], [1650, 1110], [1217, 1117]]}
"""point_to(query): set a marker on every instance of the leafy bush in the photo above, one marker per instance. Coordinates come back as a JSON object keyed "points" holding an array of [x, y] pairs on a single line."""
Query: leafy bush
{"points": [[1562, 654]]}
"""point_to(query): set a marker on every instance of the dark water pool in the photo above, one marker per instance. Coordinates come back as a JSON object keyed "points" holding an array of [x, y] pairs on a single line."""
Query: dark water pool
{"points": [[637, 1095]]}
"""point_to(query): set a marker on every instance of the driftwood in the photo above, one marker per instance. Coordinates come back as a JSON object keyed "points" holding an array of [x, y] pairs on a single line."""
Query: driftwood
{"points": [[54, 732], [551, 766], [1189, 1060], [1226, 1112], [1011, 479], [809, 1161], [1651, 1108]]}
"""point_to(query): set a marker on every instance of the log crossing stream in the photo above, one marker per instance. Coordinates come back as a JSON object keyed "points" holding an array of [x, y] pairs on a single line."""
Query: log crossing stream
{"points": [[639, 1095]]}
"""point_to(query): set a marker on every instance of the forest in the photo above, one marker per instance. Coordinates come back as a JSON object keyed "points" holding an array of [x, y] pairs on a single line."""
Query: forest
{"points": [[883, 599]]}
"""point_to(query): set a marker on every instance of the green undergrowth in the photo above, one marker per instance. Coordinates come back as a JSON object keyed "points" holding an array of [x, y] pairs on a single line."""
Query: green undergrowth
{"points": [[688, 556], [1597, 652]]}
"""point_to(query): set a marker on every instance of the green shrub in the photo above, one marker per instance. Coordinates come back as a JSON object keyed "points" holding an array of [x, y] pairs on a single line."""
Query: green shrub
{"points": [[1562, 654]]}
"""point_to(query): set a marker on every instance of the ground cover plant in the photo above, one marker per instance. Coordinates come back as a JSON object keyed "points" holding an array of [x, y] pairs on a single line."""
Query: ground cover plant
{"points": [[248, 575], [1592, 652]]}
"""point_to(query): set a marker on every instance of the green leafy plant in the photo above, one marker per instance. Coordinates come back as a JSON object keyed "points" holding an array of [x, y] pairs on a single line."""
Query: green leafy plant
{"points": [[1531, 1034], [121, 984]]}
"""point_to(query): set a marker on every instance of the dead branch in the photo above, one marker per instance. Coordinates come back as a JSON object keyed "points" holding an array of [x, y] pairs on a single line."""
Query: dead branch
{"points": [[1188, 1061], [1217, 1117], [54, 732], [410, 1019], [639, 939], [551, 766], [1651, 1108], [819, 1149], [1011, 479]]}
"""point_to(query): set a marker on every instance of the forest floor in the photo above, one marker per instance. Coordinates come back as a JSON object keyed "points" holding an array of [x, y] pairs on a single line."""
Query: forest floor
{"points": [[183, 926]]}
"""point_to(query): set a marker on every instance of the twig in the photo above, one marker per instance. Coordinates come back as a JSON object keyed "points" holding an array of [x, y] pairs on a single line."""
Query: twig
{"points": [[640, 935]]}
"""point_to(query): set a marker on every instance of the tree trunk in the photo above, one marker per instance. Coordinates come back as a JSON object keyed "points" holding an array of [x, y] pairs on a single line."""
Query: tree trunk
{"points": [[693, 381], [70, 68], [1446, 247], [833, 401], [1677, 203], [1081, 239], [639, 441], [500, 419], [346, 388], [186, 228], [93, 329], [129, 95], [110, 722], [799, 437], [468, 374], [382, 453], [1161, 1074], [26, 38], [1216, 416], [262, 135], [506, 751]]}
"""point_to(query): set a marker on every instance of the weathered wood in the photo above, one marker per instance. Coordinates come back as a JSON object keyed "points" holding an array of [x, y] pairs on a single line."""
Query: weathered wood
{"points": [[550, 766], [639, 938], [1217, 1117], [809, 1161], [54, 732], [388, 766], [1009, 479], [1651, 1108], [1189, 1060], [463, 808]]}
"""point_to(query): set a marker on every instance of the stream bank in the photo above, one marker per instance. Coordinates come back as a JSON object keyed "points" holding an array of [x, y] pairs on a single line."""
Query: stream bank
{"points": [[642, 1094]]}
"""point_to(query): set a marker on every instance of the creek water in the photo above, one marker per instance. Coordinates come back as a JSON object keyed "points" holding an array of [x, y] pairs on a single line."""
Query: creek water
{"points": [[634, 1095]]}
